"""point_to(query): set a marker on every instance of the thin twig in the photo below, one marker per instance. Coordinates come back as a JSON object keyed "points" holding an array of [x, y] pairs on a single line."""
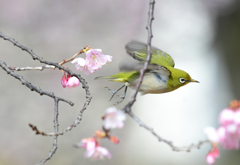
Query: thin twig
{"points": [[169, 143], [75, 55], [30, 86], [69, 128], [148, 58], [35, 129], [55, 120], [40, 68]]}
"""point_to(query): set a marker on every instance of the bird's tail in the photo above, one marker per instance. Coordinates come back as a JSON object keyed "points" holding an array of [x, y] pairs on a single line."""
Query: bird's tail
{"points": [[103, 77], [119, 77]]}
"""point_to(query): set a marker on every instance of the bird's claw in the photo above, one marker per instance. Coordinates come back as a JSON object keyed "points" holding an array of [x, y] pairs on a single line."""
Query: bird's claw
{"points": [[115, 93]]}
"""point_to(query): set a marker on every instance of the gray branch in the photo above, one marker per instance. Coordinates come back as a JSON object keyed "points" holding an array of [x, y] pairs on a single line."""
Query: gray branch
{"points": [[51, 65]]}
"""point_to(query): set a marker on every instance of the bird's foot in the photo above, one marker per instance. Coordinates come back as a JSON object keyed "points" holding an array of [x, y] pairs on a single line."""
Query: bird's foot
{"points": [[115, 93]]}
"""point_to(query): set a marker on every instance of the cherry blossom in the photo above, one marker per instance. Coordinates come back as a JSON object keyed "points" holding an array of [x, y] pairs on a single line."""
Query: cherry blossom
{"points": [[212, 155], [69, 81], [93, 149], [226, 117], [88, 143], [98, 153], [72, 82], [94, 61], [212, 134], [228, 133], [80, 64], [114, 118], [230, 128]]}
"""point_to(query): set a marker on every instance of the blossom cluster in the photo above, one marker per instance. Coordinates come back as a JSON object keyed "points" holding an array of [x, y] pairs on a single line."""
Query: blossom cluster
{"points": [[94, 61], [228, 134], [112, 119], [93, 149]]}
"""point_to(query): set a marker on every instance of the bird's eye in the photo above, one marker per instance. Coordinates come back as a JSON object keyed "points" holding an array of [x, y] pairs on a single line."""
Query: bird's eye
{"points": [[182, 80]]}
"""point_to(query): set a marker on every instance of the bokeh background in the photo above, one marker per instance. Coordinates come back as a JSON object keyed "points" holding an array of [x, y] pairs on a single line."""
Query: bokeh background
{"points": [[202, 36]]}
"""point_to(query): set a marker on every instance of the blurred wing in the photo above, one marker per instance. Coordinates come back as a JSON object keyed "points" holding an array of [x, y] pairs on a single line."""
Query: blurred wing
{"points": [[138, 51], [151, 68]]}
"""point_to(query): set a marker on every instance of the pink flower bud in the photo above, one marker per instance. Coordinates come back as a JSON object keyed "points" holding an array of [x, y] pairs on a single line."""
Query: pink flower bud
{"points": [[69, 81], [72, 82], [64, 81], [114, 139], [212, 155]]}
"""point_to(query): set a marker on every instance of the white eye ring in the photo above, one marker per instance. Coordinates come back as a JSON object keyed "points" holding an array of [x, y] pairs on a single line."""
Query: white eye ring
{"points": [[182, 80]]}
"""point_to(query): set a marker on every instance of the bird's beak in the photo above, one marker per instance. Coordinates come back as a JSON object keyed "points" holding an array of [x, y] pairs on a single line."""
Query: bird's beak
{"points": [[192, 80]]}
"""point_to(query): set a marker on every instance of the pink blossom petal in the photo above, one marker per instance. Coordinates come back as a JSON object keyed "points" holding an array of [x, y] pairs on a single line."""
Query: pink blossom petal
{"points": [[109, 58], [64, 81], [73, 82], [93, 62], [228, 139], [210, 159], [114, 118], [88, 143], [211, 134], [79, 63], [237, 117], [88, 70], [221, 133], [91, 145], [231, 143], [212, 155], [231, 128], [226, 116], [95, 59], [98, 153], [102, 152], [89, 153]]}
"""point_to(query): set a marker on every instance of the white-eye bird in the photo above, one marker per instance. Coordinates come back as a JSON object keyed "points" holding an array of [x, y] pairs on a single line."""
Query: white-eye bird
{"points": [[160, 76]]}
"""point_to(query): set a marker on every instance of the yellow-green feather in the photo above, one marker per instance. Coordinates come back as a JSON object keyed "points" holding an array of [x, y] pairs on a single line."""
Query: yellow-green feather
{"points": [[138, 51], [158, 57], [122, 76], [176, 74]]}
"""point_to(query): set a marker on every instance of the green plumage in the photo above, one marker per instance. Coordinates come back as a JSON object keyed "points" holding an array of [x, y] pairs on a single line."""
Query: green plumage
{"points": [[122, 76], [160, 76], [138, 51]]}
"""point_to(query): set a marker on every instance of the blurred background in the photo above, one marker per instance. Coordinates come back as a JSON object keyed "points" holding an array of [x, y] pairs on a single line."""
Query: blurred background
{"points": [[202, 36]]}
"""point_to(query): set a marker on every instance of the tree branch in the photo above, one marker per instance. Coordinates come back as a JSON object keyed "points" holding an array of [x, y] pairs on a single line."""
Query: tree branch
{"points": [[55, 120], [40, 68], [75, 55], [148, 58], [41, 92], [30, 86], [169, 143]]}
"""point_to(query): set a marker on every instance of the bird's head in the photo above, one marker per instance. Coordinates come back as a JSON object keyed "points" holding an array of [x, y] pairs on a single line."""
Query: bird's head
{"points": [[179, 78]]}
